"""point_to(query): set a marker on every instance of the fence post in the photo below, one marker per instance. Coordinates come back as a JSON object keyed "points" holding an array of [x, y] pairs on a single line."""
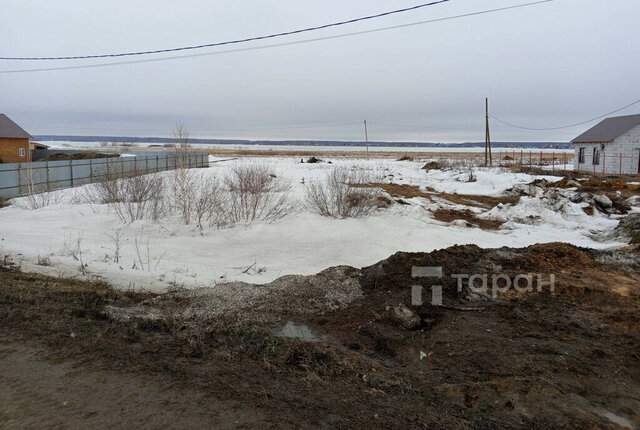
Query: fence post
{"points": [[621, 167], [157, 163], [20, 178], [604, 161], [46, 166], [553, 161], [71, 171], [122, 166]]}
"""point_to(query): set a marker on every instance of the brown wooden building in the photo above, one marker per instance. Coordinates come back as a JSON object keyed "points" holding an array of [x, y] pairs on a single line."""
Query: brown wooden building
{"points": [[14, 142]]}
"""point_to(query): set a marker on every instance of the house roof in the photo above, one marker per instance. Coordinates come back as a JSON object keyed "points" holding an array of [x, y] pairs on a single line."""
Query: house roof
{"points": [[10, 129], [37, 145], [609, 129]]}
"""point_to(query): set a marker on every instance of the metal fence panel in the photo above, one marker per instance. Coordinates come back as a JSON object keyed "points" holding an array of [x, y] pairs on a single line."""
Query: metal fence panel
{"points": [[18, 179]]}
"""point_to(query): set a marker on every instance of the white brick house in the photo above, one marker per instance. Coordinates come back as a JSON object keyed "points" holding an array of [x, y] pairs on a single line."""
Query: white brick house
{"points": [[599, 148]]}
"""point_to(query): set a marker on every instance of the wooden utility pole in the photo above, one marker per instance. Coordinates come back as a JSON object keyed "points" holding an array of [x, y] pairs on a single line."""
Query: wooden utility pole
{"points": [[366, 136], [487, 140]]}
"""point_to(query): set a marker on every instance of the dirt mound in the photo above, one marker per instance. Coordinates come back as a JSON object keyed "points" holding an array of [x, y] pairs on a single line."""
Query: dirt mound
{"points": [[432, 165], [61, 156], [314, 160], [239, 304], [551, 257]]}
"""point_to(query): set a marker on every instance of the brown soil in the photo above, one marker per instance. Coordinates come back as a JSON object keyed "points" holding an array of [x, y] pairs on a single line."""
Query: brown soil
{"points": [[486, 202], [410, 191], [449, 215], [60, 156], [398, 190], [525, 360]]}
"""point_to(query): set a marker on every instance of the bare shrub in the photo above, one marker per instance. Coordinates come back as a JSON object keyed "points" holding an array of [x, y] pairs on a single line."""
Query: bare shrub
{"points": [[43, 261], [144, 260], [468, 176], [116, 240], [255, 194], [184, 181], [208, 203], [132, 197], [37, 196], [181, 145], [35, 201], [106, 191], [183, 184], [338, 197]]}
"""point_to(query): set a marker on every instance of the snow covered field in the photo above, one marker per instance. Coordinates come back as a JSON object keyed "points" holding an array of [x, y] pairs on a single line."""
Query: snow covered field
{"points": [[158, 255]]}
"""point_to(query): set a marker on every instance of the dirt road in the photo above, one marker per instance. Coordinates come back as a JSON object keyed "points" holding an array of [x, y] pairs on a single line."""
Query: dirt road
{"points": [[40, 392]]}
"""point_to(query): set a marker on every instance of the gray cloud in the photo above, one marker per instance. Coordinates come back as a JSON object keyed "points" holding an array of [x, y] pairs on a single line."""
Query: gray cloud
{"points": [[546, 65]]}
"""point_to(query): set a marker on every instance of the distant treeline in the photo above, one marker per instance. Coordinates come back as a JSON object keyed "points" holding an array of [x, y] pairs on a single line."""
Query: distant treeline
{"points": [[161, 140]]}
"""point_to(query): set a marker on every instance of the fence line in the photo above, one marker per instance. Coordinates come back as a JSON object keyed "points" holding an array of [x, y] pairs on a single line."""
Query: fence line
{"points": [[599, 164], [19, 179]]}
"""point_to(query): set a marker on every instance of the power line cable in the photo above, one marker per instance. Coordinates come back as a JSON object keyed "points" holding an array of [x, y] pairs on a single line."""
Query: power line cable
{"points": [[233, 42], [565, 126], [298, 42]]}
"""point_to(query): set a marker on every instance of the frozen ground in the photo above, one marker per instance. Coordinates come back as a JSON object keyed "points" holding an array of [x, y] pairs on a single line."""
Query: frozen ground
{"points": [[67, 233]]}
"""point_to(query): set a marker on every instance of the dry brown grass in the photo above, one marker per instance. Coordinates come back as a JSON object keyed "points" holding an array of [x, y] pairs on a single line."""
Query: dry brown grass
{"points": [[346, 154], [485, 202], [397, 190], [449, 215], [411, 191]]}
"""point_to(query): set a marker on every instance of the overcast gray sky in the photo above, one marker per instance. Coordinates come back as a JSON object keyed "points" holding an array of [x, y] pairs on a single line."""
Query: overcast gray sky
{"points": [[552, 64]]}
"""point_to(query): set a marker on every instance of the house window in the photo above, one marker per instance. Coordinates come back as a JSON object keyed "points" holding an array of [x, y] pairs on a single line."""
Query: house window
{"points": [[21, 152], [596, 156], [581, 155]]}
